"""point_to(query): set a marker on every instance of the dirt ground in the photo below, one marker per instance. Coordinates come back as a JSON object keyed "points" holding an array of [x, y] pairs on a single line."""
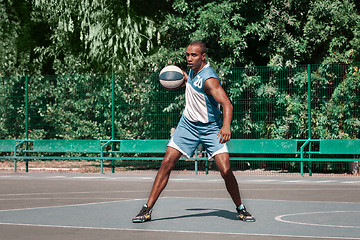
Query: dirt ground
{"points": [[81, 166]]}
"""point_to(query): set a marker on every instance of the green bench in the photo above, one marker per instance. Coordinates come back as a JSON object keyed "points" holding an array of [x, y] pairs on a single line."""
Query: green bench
{"points": [[339, 146], [66, 146], [235, 146], [268, 149], [330, 150], [49, 149], [7, 145], [133, 147], [263, 146], [310, 150], [302, 150]]}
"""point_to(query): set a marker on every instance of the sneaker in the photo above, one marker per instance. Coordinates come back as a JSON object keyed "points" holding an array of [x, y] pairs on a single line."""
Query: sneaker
{"points": [[144, 215], [244, 215]]}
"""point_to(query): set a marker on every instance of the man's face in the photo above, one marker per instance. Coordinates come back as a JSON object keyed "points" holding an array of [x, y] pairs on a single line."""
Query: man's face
{"points": [[194, 58]]}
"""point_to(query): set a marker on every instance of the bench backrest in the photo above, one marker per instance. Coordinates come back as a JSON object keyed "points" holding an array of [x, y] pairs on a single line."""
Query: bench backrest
{"points": [[251, 146], [339, 146], [7, 145], [143, 146], [262, 146], [60, 145]]}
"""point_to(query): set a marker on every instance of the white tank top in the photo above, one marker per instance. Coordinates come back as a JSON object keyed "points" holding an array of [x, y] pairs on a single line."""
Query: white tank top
{"points": [[201, 107]]}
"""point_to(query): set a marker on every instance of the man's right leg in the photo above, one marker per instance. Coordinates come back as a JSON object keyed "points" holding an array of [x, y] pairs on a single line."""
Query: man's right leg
{"points": [[168, 163], [171, 157]]}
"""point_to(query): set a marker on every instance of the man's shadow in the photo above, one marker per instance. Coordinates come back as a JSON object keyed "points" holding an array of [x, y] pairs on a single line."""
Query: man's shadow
{"points": [[206, 212]]}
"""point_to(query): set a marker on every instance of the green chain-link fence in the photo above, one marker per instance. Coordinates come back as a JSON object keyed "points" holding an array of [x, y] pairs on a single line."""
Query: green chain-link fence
{"points": [[317, 101]]}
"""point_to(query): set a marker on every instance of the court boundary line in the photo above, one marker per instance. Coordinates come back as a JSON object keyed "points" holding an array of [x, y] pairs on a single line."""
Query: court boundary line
{"points": [[178, 231], [145, 199], [172, 190], [71, 205], [279, 218]]}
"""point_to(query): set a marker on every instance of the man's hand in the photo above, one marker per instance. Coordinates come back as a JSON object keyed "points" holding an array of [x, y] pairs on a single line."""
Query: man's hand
{"points": [[224, 134]]}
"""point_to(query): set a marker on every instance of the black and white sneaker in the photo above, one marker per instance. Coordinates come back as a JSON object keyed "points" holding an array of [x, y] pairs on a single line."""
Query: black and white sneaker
{"points": [[244, 215], [144, 215]]}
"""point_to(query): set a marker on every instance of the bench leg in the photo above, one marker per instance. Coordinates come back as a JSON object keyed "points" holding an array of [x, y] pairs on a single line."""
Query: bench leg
{"points": [[196, 167], [206, 166]]}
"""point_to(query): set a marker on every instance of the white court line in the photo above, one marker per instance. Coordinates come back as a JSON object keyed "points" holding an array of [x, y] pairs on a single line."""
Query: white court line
{"points": [[107, 192], [165, 231], [262, 180], [297, 181], [87, 177], [326, 181], [182, 179], [138, 178], [351, 182], [279, 218], [181, 231], [177, 190], [23, 199], [71, 205]]}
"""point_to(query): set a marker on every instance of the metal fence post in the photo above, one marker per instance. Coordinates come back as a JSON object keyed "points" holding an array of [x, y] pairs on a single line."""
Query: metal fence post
{"points": [[26, 119], [309, 117], [112, 119]]}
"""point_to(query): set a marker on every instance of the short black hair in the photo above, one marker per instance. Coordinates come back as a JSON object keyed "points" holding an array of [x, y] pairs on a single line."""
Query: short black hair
{"points": [[200, 44]]}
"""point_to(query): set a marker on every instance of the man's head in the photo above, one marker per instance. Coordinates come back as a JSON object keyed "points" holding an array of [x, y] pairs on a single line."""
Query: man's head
{"points": [[195, 56], [200, 44]]}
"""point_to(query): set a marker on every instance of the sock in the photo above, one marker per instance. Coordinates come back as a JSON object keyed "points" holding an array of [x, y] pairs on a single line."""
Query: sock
{"points": [[145, 205], [241, 207]]}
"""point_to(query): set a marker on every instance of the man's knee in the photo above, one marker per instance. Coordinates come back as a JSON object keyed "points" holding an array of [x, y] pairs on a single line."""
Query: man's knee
{"points": [[167, 164], [170, 159], [226, 173]]}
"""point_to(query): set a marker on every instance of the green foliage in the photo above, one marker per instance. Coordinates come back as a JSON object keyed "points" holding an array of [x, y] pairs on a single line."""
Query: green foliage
{"points": [[68, 37], [69, 107], [331, 30], [12, 107], [268, 103], [254, 32], [273, 102], [96, 36], [15, 52]]}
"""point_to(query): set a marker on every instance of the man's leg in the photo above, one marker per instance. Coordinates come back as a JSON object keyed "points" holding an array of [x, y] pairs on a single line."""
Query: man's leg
{"points": [[223, 164], [171, 157]]}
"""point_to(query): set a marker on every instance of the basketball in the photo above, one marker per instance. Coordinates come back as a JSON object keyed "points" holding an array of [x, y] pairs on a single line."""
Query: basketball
{"points": [[171, 77]]}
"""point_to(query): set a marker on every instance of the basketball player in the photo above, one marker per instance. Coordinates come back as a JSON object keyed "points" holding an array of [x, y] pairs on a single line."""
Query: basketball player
{"points": [[200, 123]]}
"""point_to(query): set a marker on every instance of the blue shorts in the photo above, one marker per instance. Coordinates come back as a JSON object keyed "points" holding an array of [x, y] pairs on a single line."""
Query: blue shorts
{"points": [[188, 135]]}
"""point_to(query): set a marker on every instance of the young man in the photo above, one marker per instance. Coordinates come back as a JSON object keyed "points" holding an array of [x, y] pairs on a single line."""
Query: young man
{"points": [[200, 123]]}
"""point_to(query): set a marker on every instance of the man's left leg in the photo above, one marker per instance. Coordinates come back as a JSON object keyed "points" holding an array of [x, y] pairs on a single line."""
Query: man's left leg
{"points": [[223, 163]]}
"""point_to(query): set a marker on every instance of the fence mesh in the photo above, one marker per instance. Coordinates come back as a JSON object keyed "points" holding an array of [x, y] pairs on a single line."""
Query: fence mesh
{"points": [[269, 102]]}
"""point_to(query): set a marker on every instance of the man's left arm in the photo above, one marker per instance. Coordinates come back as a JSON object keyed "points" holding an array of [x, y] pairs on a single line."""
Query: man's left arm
{"points": [[213, 88]]}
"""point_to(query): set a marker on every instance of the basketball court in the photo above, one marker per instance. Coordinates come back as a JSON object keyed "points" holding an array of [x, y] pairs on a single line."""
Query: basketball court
{"points": [[94, 206]]}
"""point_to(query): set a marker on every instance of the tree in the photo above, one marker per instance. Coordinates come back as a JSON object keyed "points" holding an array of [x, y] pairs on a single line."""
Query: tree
{"points": [[95, 36], [331, 32]]}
